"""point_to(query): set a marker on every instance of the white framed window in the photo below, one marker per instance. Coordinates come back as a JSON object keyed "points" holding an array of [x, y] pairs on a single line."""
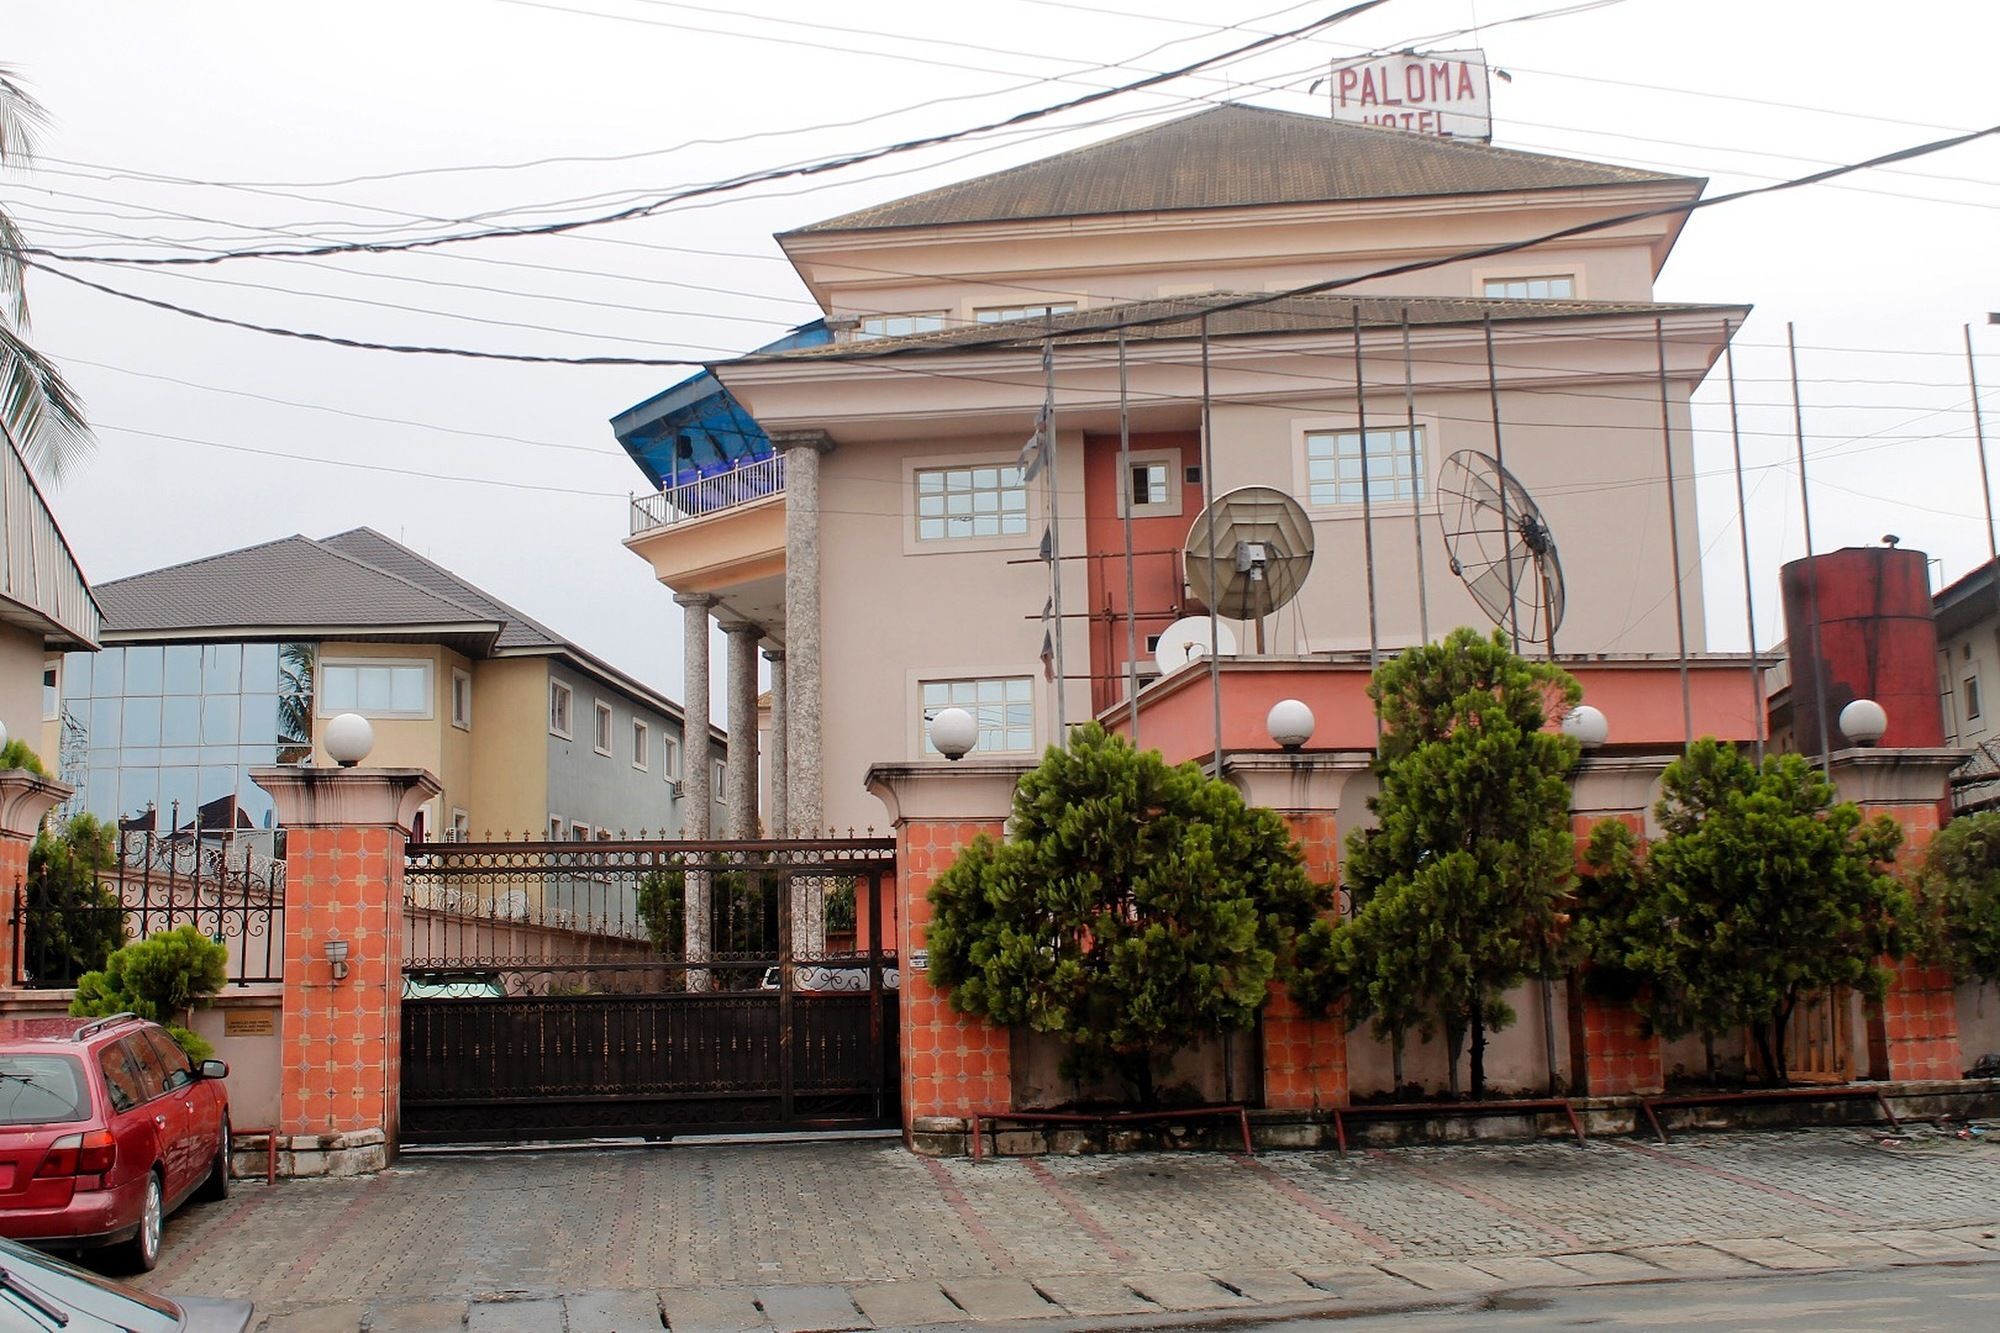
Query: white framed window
{"points": [[562, 701], [1151, 485], [716, 777], [1543, 287], [670, 758], [579, 832], [1395, 465], [461, 699], [955, 502], [603, 727], [461, 826], [1003, 706], [51, 690], [900, 326], [1000, 314], [556, 826], [394, 687], [642, 744], [1972, 698]]}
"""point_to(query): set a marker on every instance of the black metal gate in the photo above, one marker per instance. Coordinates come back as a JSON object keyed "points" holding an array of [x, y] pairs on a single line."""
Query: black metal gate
{"points": [[570, 990]]}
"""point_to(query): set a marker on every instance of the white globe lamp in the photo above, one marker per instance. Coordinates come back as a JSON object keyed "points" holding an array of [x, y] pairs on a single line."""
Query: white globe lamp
{"points": [[1863, 721], [954, 732], [1290, 723], [1587, 726], [3, 735], [349, 738]]}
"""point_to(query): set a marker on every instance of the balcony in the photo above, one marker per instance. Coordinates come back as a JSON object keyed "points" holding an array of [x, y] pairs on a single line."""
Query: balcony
{"points": [[702, 496]]}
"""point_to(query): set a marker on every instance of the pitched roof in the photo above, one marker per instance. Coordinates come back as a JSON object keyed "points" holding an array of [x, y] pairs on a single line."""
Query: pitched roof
{"points": [[1167, 319], [291, 582], [1238, 156], [520, 630]]}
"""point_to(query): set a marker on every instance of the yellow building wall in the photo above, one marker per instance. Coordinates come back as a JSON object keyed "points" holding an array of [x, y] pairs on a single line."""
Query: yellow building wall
{"points": [[509, 780], [402, 742]]}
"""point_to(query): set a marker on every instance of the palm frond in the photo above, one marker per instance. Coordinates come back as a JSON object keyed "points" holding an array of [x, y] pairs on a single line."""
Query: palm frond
{"points": [[20, 116], [41, 411]]}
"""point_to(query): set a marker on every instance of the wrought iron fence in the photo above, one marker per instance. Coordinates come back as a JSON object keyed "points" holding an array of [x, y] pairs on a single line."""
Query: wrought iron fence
{"points": [[228, 885]]}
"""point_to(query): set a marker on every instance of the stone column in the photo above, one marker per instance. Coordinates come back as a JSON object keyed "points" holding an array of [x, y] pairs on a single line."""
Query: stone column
{"points": [[340, 1090], [953, 1064], [803, 759], [25, 801], [780, 747], [739, 774], [697, 795]]}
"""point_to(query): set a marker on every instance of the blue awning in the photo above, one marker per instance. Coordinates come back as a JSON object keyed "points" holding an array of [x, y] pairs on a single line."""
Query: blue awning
{"points": [[697, 428]]}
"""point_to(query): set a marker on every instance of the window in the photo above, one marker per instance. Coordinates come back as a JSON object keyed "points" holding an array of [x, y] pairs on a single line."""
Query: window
{"points": [[603, 727], [670, 758], [173, 1059], [1395, 465], [579, 832], [715, 780], [1152, 484], [41, 1089], [1971, 698], [1004, 709], [461, 827], [642, 745], [900, 326], [1551, 287], [121, 1076], [971, 502], [375, 689], [555, 828], [461, 699], [999, 314], [560, 699], [152, 1074], [51, 692]]}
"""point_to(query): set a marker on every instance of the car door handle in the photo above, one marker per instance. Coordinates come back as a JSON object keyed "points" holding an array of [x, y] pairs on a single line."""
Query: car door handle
{"points": [[160, 1120]]}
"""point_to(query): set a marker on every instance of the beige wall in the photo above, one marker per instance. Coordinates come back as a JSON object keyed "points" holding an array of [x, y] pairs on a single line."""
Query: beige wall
{"points": [[509, 781], [21, 661]]}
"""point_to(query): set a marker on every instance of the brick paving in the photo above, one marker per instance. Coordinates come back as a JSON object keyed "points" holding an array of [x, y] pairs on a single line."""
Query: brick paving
{"points": [[862, 1234]]}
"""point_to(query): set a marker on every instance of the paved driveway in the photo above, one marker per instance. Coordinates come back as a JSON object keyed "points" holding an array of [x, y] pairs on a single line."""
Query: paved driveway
{"points": [[793, 1234]]}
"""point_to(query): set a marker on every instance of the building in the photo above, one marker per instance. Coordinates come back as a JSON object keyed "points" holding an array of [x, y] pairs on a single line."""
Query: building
{"points": [[215, 667], [46, 607], [863, 511]]}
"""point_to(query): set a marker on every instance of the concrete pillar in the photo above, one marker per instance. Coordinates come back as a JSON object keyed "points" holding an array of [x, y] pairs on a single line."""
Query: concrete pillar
{"points": [[25, 800], [780, 823], [954, 1064], [803, 758], [739, 774], [340, 1044], [697, 795]]}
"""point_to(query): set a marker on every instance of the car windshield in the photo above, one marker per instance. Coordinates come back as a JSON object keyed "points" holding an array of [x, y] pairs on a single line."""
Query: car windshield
{"points": [[41, 1089], [34, 1282]]}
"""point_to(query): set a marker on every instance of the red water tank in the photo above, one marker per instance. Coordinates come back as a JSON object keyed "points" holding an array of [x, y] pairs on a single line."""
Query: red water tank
{"points": [[1876, 640]]}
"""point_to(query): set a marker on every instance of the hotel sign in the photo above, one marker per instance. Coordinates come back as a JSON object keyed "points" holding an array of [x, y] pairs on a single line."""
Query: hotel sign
{"points": [[1443, 93]]}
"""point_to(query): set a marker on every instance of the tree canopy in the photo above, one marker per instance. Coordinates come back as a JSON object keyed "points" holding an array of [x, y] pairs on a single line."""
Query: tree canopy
{"points": [[1762, 890], [1132, 908], [1460, 891], [1958, 894]]}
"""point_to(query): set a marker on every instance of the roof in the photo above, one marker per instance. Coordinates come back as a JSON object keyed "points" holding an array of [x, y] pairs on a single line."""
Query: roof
{"points": [[1966, 601], [1239, 156], [42, 588], [356, 583], [1180, 317], [697, 428]]}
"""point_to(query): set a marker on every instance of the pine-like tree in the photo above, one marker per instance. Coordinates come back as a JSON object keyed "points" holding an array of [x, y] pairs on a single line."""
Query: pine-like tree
{"points": [[1762, 891], [1462, 888], [1132, 908]]}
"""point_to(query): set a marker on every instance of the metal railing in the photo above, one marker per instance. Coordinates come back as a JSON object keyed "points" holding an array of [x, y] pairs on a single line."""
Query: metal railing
{"points": [[709, 495]]}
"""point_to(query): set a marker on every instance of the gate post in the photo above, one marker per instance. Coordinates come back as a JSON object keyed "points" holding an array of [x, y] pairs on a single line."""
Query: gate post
{"points": [[25, 801], [954, 1065], [346, 830]]}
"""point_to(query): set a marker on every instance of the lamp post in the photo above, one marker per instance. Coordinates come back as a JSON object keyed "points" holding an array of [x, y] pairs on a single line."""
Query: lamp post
{"points": [[953, 733], [1290, 723], [1863, 722]]}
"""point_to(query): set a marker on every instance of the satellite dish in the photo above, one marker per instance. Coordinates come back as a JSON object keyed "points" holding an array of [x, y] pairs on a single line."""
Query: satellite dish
{"points": [[1501, 547], [1248, 553], [1186, 640]]}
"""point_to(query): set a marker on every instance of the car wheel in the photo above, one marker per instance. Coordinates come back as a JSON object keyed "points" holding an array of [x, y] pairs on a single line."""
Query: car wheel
{"points": [[142, 1253], [216, 1187]]}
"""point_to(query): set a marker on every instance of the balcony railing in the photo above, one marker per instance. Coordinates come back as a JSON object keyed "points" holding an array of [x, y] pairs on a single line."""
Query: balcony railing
{"points": [[709, 495]]}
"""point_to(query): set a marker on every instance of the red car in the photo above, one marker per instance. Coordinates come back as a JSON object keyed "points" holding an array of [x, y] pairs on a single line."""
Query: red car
{"points": [[105, 1128]]}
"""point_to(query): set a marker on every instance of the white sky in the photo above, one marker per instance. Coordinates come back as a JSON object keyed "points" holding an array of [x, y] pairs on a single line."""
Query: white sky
{"points": [[295, 102]]}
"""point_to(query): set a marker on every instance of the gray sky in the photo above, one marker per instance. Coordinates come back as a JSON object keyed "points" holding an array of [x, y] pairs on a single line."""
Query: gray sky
{"points": [[283, 110]]}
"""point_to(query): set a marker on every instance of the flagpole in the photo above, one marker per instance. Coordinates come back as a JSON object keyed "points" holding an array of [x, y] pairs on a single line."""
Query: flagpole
{"points": [[1208, 508], [1131, 604], [1048, 433], [1417, 498]]}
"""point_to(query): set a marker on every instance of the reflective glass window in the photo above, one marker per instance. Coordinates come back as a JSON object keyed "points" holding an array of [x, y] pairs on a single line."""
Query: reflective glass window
{"points": [[77, 670], [183, 669], [144, 669], [142, 720], [222, 668], [218, 720], [180, 722], [108, 673]]}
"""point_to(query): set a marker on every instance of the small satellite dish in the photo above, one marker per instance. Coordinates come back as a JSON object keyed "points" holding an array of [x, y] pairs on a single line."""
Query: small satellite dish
{"points": [[1248, 554], [1186, 640]]}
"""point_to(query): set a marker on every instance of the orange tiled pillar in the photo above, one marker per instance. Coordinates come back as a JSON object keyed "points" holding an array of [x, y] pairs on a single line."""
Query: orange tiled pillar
{"points": [[340, 1039], [1611, 1052], [954, 1064], [25, 801], [1913, 1033], [1305, 1058]]}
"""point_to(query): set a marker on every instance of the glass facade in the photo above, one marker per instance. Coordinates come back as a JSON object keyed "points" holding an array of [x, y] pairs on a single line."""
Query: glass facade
{"points": [[176, 729]]}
